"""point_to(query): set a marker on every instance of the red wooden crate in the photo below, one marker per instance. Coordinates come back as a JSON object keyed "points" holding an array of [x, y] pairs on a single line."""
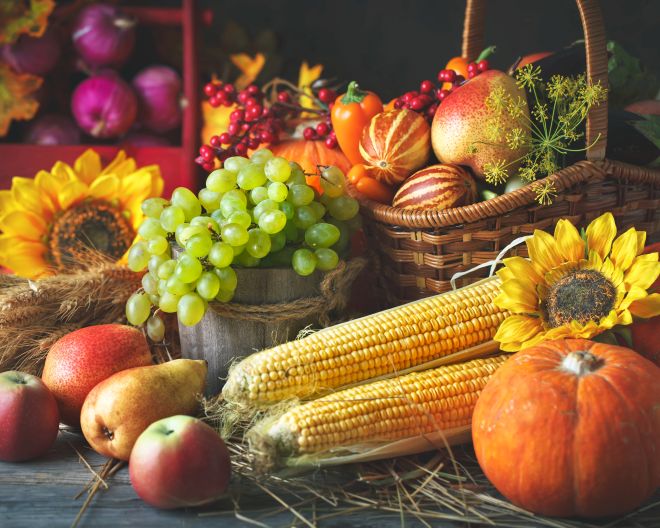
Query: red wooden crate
{"points": [[177, 162]]}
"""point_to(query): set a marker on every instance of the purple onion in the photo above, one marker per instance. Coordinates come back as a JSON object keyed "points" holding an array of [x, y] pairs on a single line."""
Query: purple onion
{"points": [[103, 35], [33, 55], [52, 129], [158, 90], [104, 106], [144, 139]]}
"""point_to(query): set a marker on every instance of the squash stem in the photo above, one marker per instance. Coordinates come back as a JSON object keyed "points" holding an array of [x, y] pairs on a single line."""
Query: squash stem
{"points": [[580, 363]]}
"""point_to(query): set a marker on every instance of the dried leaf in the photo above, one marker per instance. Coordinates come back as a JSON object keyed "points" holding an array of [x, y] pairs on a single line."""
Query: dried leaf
{"points": [[17, 96], [17, 19]]}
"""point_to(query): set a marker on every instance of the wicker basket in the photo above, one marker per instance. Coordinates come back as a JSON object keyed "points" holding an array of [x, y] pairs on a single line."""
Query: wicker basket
{"points": [[420, 251]]}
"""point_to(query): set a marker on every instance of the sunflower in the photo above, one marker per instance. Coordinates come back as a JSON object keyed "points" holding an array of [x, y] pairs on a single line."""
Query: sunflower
{"points": [[576, 286], [47, 220]]}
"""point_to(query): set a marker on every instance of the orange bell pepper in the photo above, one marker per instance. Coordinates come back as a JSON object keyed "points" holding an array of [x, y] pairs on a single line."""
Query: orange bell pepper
{"points": [[369, 186], [350, 114]]}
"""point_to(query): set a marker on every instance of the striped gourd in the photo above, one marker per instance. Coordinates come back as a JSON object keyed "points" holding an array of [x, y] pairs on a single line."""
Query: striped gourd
{"points": [[381, 344], [363, 417], [395, 144], [437, 187]]}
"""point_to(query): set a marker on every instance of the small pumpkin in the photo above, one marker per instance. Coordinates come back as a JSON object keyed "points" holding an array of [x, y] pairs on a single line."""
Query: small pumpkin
{"points": [[437, 187], [309, 154], [395, 144], [571, 428]]}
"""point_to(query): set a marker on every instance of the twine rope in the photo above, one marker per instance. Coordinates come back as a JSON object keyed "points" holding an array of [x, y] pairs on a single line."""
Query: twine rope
{"points": [[334, 293]]}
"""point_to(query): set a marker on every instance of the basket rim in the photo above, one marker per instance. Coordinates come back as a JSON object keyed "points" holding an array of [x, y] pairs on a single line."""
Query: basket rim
{"points": [[564, 179]]}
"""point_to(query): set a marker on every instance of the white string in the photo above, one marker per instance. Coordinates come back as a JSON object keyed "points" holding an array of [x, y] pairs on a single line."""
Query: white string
{"points": [[492, 263]]}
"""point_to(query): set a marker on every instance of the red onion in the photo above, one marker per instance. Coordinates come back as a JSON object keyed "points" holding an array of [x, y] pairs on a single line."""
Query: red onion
{"points": [[104, 105], [33, 55], [143, 139], [158, 89], [52, 129], [103, 35]]}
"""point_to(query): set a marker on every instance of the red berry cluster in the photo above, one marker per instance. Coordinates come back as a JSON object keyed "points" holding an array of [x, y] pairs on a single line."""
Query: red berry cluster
{"points": [[323, 130], [426, 100]]}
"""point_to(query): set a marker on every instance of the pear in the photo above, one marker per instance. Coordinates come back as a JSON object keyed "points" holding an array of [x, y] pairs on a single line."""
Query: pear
{"points": [[459, 133], [121, 407]]}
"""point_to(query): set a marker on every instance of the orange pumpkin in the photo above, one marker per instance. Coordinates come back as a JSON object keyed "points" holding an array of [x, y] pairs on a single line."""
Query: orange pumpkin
{"points": [[310, 154], [395, 144], [571, 428]]}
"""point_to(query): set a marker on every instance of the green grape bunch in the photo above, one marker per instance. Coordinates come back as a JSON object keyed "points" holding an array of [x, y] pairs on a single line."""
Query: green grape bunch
{"points": [[253, 212]]}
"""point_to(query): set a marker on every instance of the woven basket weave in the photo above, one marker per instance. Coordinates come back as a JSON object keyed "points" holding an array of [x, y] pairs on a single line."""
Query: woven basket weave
{"points": [[420, 251]]}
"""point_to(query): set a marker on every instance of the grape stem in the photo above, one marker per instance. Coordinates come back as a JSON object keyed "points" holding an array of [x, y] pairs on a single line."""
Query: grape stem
{"points": [[277, 82]]}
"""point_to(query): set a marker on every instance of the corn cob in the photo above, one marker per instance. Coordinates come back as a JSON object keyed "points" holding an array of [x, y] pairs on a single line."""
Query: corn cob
{"points": [[379, 344], [419, 403]]}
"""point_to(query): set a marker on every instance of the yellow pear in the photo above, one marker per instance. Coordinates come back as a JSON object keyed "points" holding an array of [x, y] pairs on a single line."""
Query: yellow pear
{"points": [[118, 409]]}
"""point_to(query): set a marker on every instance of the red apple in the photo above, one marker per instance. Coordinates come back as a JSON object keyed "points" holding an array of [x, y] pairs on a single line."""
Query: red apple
{"points": [[29, 418], [179, 461], [82, 359]]}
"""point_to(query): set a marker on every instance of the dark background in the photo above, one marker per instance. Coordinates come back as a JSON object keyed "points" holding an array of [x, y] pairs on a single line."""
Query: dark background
{"points": [[391, 45]]}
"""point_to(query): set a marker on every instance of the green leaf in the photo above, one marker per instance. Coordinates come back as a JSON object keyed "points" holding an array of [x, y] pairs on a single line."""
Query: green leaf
{"points": [[629, 81], [625, 334], [649, 127], [606, 337], [18, 18]]}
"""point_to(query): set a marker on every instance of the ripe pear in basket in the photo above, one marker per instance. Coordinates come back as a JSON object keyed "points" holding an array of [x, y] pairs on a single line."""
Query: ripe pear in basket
{"points": [[437, 187]]}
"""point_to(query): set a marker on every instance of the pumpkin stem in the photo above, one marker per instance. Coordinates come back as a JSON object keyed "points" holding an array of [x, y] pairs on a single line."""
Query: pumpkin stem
{"points": [[580, 363], [353, 94]]}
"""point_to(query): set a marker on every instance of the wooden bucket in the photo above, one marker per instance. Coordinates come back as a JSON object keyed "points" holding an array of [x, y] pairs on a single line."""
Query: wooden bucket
{"points": [[220, 339]]}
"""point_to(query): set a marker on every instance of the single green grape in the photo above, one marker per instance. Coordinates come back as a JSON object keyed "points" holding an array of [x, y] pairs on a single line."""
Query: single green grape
{"points": [[191, 309], [288, 209], [200, 245], [258, 194], [221, 254], [218, 216], [150, 284], [277, 241], [138, 256], [162, 287], [279, 259], [344, 236], [251, 176], [189, 231], [326, 259], [188, 268], [177, 286], [209, 199], [171, 218], [292, 233], [154, 299], [234, 200], [187, 201], [333, 181], [301, 194], [208, 222], [228, 278], [319, 210], [234, 234], [343, 207], [277, 169], [304, 217], [208, 285], [155, 262], [303, 262], [245, 260], [225, 295], [138, 308], [297, 176], [152, 207], [168, 302], [235, 163], [221, 180], [155, 328], [157, 245], [150, 228], [263, 207], [277, 191], [238, 249], [242, 218], [322, 235], [258, 244], [261, 156], [166, 269], [272, 221]]}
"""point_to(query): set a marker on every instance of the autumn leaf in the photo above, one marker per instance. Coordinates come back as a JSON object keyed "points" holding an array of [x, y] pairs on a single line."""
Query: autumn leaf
{"points": [[306, 78], [17, 19], [250, 67], [16, 96]]}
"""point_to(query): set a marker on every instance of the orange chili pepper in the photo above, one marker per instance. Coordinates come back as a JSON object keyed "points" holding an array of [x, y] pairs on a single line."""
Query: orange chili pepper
{"points": [[369, 186], [390, 106], [356, 173], [314, 181], [350, 114]]}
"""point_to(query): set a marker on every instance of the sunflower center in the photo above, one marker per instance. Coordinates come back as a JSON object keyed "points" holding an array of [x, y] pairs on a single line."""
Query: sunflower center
{"points": [[90, 225], [582, 295]]}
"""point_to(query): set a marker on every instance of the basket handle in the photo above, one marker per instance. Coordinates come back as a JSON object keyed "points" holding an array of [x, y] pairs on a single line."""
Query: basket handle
{"points": [[596, 51]]}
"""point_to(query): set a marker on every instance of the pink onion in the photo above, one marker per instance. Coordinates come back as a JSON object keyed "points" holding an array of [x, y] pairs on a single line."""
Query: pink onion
{"points": [[52, 129], [103, 35], [143, 139], [33, 55], [158, 89], [104, 105]]}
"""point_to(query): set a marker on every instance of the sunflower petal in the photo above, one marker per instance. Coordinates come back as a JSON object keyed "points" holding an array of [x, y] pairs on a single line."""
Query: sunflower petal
{"points": [[647, 307], [24, 225], [26, 193], [543, 250], [105, 187], [521, 267], [517, 296], [88, 166], [595, 261], [72, 193], [517, 329], [643, 273], [63, 173], [600, 234], [505, 274], [635, 293], [112, 166], [7, 202], [641, 241], [624, 249], [569, 241], [26, 259]]}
